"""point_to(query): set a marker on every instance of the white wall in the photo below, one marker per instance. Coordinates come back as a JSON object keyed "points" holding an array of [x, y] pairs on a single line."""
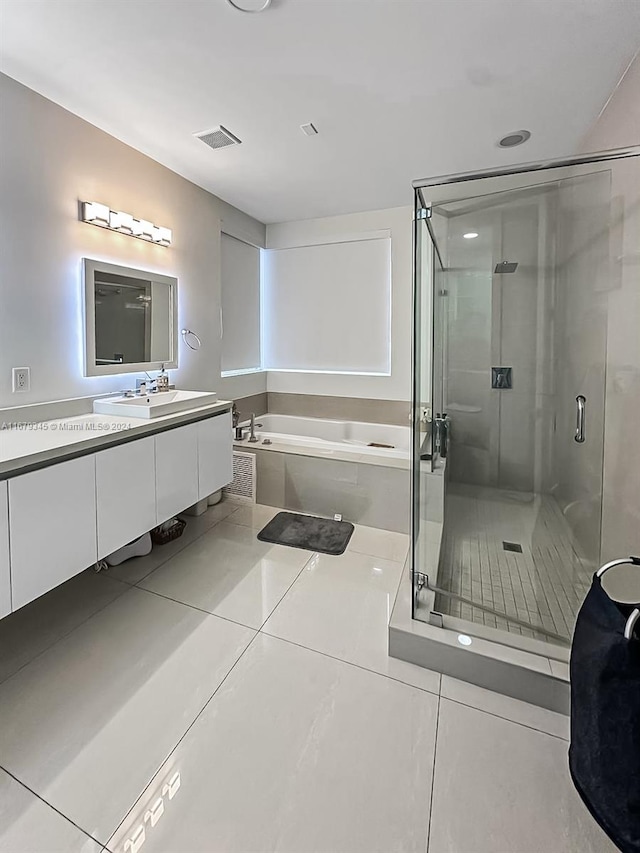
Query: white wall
{"points": [[51, 159], [619, 126], [398, 221]]}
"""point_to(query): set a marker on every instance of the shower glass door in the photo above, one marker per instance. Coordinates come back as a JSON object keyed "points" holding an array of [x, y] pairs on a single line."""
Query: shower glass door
{"points": [[512, 280]]}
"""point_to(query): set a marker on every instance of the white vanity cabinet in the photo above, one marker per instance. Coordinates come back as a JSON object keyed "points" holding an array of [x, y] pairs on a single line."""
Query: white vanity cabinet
{"points": [[59, 520], [52, 527], [5, 582], [126, 493], [176, 470], [215, 454]]}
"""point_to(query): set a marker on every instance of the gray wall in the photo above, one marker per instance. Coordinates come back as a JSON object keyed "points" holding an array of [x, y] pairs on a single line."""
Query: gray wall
{"points": [[51, 159]]}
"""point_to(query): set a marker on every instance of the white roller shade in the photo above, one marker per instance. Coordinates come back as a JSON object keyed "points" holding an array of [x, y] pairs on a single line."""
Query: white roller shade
{"points": [[328, 307], [240, 265]]}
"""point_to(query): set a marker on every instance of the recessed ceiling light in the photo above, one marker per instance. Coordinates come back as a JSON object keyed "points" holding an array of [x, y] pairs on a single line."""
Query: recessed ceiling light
{"points": [[515, 138], [464, 640], [470, 235], [249, 5]]}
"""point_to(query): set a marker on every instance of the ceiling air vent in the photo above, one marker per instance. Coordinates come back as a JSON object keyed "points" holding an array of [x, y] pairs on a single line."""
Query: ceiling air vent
{"points": [[219, 137]]}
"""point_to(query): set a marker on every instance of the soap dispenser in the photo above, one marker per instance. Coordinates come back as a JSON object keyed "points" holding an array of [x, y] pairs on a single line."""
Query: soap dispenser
{"points": [[162, 382]]}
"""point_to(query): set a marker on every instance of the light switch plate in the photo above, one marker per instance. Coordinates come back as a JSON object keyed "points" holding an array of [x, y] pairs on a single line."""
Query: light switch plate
{"points": [[21, 377]]}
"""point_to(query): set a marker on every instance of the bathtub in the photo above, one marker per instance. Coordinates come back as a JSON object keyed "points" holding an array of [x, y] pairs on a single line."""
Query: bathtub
{"points": [[341, 439], [324, 467]]}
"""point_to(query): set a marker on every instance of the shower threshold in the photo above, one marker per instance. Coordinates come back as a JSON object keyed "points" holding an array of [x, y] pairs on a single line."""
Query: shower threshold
{"points": [[524, 668], [500, 614]]}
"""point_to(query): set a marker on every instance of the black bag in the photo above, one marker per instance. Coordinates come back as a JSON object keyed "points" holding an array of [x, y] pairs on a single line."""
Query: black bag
{"points": [[604, 756]]}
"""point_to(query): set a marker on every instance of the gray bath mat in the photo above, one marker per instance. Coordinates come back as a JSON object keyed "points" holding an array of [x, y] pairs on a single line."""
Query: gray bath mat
{"points": [[308, 532]]}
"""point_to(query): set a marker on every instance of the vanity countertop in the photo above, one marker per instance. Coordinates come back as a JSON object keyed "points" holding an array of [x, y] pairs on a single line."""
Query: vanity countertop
{"points": [[26, 447]]}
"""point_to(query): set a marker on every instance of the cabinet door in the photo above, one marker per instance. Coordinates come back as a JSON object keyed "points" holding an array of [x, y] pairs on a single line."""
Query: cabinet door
{"points": [[52, 526], [176, 470], [126, 493], [215, 454], [5, 583]]}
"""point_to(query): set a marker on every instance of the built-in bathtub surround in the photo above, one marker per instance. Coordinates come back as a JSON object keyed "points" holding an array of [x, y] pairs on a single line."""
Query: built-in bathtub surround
{"points": [[326, 407], [326, 467], [255, 404], [362, 409]]}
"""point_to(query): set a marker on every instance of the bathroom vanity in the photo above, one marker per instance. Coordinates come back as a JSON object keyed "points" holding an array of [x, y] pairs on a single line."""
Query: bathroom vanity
{"points": [[73, 491]]}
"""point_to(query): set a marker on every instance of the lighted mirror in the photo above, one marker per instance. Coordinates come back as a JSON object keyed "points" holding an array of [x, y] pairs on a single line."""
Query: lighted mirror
{"points": [[130, 318]]}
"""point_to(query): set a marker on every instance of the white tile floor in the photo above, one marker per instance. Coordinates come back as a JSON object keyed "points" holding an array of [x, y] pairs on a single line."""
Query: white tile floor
{"points": [[542, 587], [239, 699]]}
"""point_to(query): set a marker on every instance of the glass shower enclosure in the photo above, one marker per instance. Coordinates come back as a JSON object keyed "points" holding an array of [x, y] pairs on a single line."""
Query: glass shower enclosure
{"points": [[512, 275]]}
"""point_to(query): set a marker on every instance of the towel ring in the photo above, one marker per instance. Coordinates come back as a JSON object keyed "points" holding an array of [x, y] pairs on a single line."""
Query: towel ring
{"points": [[186, 333], [635, 615], [239, 8]]}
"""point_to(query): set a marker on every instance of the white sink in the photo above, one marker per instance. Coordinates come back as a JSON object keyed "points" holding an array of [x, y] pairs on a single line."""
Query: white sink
{"points": [[154, 405]]}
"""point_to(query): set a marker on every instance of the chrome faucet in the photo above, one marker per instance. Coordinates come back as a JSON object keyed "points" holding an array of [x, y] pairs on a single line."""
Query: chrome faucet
{"points": [[240, 430], [253, 437]]}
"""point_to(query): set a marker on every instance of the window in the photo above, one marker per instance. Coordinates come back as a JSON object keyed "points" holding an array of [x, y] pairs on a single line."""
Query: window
{"points": [[328, 307], [240, 272]]}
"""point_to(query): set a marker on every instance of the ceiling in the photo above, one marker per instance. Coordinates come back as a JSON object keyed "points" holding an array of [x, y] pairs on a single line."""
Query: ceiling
{"points": [[399, 89]]}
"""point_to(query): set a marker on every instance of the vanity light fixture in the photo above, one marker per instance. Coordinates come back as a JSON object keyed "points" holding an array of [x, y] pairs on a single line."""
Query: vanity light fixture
{"points": [[97, 214], [161, 235], [143, 229], [117, 220]]}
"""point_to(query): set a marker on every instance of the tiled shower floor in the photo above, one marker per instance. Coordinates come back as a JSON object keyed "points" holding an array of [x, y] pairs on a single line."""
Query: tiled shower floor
{"points": [[542, 586]]}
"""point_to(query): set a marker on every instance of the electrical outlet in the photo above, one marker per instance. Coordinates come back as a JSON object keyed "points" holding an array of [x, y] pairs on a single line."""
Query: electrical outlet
{"points": [[21, 379]]}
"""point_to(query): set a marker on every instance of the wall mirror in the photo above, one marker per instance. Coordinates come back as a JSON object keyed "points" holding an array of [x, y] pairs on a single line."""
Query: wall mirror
{"points": [[130, 319]]}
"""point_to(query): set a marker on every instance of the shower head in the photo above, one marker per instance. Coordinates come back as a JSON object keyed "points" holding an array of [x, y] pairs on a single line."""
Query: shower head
{"points": [[506, 266]]}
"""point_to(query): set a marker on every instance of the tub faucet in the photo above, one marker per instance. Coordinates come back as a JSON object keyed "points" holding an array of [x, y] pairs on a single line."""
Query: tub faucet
{"points": [[253, 437], [240, 430]]}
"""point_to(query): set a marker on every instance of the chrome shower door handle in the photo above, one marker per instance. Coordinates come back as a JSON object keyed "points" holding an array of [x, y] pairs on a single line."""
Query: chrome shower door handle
{"points": [[580, 416]]}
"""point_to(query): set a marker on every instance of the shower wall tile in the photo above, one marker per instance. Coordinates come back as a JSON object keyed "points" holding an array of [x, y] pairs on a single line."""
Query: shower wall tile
{"points": [[502, 320], [518, 420], [469, 388], [470, 465]]}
